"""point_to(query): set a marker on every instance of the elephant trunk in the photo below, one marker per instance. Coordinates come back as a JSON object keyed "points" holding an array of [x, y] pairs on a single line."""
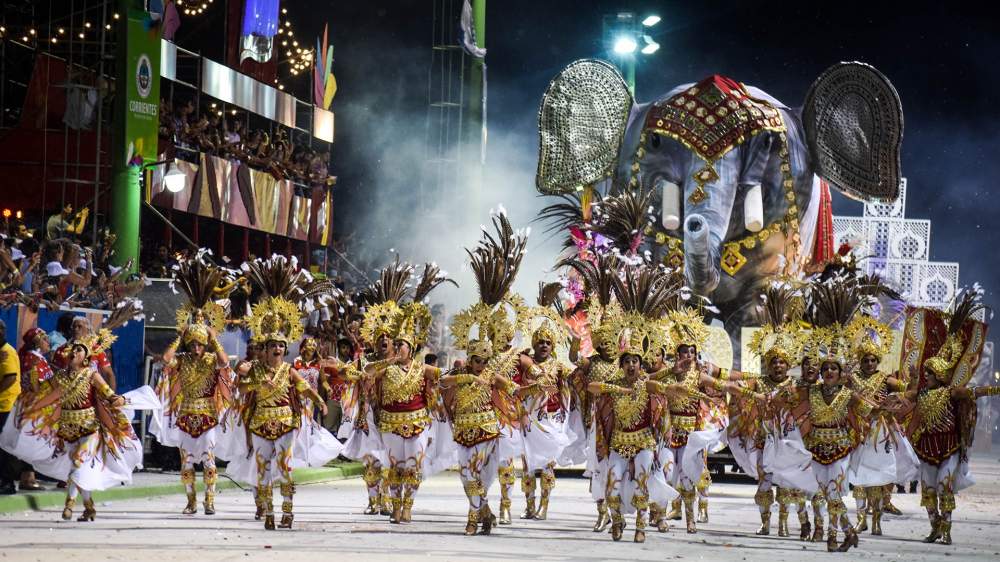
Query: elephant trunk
{"points": [[701, 256]]}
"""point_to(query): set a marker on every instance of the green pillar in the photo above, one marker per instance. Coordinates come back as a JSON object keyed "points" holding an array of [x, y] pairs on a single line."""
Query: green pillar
{"points": [[629, 64], [475, 112], [474, 116], [135, 121]]}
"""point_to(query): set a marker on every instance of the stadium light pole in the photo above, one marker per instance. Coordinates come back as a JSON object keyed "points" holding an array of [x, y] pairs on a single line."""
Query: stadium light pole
{"points": [[624, 35]]}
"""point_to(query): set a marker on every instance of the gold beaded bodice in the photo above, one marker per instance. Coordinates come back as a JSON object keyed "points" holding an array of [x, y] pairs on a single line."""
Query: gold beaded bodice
{"points": [[834, 413], [399, 385], [197, 374]]}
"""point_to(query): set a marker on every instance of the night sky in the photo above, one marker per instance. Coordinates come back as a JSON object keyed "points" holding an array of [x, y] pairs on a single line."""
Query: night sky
{"points": [[940, 58]]}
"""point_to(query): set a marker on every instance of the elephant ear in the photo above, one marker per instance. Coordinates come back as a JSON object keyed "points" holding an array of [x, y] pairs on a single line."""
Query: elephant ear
{"points": [[581, 124], [853, 120]]}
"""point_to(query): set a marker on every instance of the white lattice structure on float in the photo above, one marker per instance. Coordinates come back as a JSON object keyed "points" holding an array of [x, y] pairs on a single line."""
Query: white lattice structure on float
{"points": [[898, 249]]}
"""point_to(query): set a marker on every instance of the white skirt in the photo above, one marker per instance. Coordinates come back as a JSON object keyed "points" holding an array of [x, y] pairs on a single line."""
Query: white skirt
{"points": [[576, 451], [98, 471], [790, 463], [545, 439], [873, 462], [361, 443]]}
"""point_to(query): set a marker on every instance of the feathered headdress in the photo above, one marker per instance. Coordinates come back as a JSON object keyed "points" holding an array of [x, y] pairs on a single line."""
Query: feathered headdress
{"points": [[198, 280], [499, 314], [965, 304], [544, 320], [646, 294], [288, 293], [779, 312]]}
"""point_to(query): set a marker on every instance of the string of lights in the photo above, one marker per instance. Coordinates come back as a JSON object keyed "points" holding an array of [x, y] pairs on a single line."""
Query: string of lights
{"points": [[30, 37]]}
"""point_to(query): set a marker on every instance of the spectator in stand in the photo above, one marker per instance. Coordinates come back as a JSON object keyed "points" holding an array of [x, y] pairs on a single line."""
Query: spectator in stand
{"points": [[62, 258], [65, 223], [10, 389], [162, 265], [62, 334]]}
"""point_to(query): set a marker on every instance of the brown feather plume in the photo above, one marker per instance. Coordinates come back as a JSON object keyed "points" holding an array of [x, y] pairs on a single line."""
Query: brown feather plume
{"points": [[496, 261]]}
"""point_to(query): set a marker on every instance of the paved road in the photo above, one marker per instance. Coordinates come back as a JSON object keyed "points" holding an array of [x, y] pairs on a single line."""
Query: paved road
{"points": [[329, 525]]}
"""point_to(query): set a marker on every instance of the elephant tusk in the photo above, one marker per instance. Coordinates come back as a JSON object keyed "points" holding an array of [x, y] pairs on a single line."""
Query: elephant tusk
{"points": [[671, 212], [753, 209]]}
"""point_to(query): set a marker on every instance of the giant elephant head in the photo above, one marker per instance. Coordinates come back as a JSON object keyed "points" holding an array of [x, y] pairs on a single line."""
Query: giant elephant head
{"points": [[734, 173]]}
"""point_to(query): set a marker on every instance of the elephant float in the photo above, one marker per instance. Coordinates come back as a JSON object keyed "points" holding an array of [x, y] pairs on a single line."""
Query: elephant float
{"points": [[739, 182]]}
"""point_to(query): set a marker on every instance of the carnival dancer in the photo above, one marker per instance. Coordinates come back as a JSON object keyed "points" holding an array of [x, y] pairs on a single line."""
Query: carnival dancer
{"points": [[479, 400], [602, 314], [690, 437], [809, 362], [272, 392], [886, 456], [546, 433], [832, 417], [75, 428], [633, 406], [943, 419], [359, 427], [195, 389], [756, 432]]}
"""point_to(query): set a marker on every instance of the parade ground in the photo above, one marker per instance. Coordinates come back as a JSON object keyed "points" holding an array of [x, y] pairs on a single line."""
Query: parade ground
{"points": [[329, 525]]}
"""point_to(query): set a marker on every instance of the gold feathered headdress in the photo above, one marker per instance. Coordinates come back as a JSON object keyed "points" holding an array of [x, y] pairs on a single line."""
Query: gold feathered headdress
{"points": [[778, 313], [967, 303], [870, 337], [199, 280], [646, 293], [499, 314], [288, 294]]}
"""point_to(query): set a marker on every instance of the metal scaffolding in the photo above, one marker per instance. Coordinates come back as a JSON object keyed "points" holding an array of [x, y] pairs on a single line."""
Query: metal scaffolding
{"points": [[445, 105]]}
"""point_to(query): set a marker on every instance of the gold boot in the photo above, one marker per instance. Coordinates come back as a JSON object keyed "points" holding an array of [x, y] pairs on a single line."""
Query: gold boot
{"points": [[287, 491], [876, 522], [675, 510], [504, 512], [805, 529], [657, 518], [640, 526], [88, 510], [258, 500], [373, 506], [210, 476], [472, 523], [617, 526], [487, 518], [689, 511], [397, 510], [548, 484], [67, 513], [529, 508], [831, 541], [187, 479], [269, 522], [407, 514], [888, 507], [935, 533], [862, 524], [764, 500], [702, 510], [765, 524], [602, 517], [192, 505], [818, 531], [385, 504], [782, 521], [528, 486], [945, 530], [850, 539]]}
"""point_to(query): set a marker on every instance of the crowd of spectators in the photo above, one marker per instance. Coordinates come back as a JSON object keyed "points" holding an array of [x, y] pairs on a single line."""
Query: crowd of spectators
{"points": [[61, 264], [182, 130]]}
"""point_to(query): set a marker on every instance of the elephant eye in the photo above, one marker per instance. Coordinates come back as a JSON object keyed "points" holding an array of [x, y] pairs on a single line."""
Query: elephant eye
{"points": [[654, 140]]}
